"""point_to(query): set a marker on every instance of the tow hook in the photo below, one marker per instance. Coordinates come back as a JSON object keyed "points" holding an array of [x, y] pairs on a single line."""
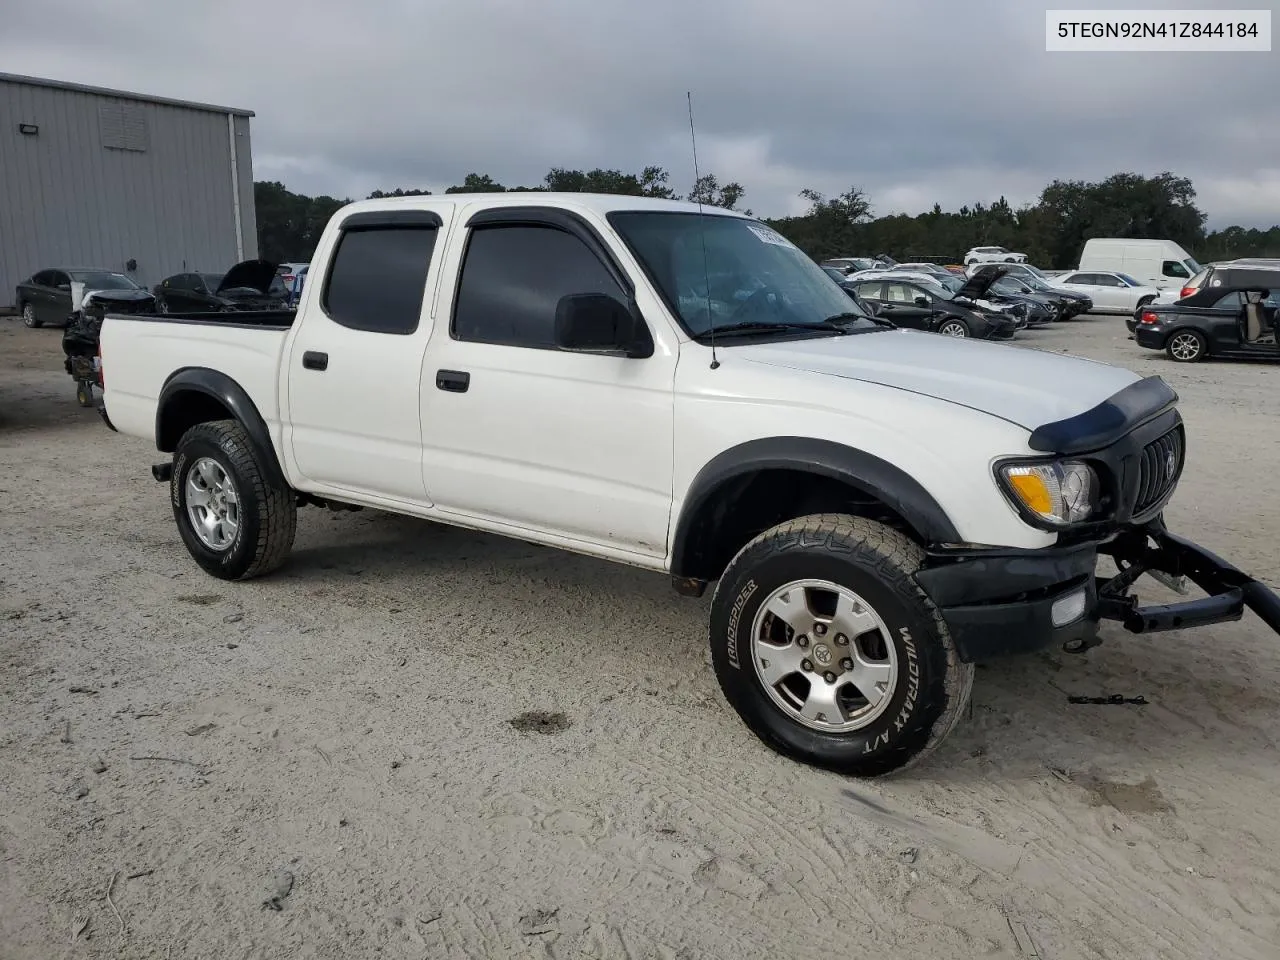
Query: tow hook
{"points": [[163, 472]]}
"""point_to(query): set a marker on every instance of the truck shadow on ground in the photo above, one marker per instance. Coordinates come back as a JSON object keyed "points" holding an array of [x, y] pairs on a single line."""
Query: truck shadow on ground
{"points": [[1020, 722]]}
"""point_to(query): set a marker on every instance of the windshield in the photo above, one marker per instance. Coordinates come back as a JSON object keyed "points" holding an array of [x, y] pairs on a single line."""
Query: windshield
{"points": [[1005, 285], [951, 283], [1128, 280], [211, 280], [101, 280], [1192, 265], [749, 274], [934, 287], [1035, 271]]}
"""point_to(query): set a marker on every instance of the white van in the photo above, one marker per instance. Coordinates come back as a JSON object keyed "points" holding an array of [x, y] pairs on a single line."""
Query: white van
{"points": [[1156, 263]]}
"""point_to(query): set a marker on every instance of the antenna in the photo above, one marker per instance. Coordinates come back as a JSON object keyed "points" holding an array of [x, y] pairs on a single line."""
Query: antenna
{"points": [[706, 268]]}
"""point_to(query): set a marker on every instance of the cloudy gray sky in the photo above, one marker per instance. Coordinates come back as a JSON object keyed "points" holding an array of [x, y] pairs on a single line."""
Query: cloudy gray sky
{"points": [[915, 101]]}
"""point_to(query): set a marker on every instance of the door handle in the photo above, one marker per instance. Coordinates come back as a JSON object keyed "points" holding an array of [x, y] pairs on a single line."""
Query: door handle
{"points": [[455, 381], [315, 360]]}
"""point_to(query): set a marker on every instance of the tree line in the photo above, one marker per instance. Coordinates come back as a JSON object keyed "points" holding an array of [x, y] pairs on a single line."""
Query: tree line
{"points": [[1051, 231]]}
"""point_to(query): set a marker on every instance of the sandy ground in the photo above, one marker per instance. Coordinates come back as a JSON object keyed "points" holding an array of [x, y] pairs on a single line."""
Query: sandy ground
{"points": [[362, 721]]}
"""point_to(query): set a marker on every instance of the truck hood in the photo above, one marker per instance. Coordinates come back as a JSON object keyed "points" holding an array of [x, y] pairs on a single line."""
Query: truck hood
{"points": [[249, 274], [1025, 387]]}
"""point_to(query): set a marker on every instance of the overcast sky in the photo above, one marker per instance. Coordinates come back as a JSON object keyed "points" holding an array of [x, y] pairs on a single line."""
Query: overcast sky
{"points": [[914, 101]]}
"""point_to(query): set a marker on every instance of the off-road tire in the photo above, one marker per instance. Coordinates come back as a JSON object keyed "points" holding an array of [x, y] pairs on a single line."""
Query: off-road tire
{"points": [[268, 511], [29, 317], [878, 563]]}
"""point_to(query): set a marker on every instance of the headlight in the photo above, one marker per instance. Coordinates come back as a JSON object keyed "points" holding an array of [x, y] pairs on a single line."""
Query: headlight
{"points": [[1057, 494]]}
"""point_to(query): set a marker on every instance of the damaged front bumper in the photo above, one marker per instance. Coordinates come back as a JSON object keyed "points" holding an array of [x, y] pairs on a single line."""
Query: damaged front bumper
{"points": [[1002, 602]]}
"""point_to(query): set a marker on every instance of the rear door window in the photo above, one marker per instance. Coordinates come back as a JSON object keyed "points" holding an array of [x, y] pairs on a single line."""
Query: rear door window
{"points": [[378, 277]]}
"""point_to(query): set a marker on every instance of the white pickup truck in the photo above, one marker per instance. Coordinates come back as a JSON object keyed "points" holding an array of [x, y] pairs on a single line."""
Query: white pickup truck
{"points": [[685, 391]]}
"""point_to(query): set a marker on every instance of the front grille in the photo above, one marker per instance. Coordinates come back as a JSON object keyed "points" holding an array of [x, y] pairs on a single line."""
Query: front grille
{"points": [[1159, 467]]}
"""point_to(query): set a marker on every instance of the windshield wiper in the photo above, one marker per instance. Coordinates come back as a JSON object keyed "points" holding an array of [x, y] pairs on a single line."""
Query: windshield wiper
{"points": [[830, 325], [843, 318]]}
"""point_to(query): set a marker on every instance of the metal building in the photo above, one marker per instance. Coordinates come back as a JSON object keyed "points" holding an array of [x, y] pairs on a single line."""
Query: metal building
{"points": [[143, 185]]}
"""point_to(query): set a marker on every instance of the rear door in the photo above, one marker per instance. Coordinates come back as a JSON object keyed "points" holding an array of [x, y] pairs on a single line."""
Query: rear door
{"points": [[901, 308], [354, 363]]}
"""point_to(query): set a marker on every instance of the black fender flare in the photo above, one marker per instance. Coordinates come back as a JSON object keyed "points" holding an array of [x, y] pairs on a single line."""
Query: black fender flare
{"points": [[863, 471], [235, 398]]}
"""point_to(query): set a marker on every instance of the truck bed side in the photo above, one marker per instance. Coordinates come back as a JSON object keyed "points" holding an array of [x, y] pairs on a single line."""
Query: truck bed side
{"points": [[141, 354]]}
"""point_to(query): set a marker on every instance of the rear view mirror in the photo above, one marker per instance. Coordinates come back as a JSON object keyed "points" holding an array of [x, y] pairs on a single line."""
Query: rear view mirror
{"points": [[599, 323]]}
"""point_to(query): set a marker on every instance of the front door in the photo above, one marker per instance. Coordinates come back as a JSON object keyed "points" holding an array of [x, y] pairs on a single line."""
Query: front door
{"points": [[521, 433], [354, 362]]}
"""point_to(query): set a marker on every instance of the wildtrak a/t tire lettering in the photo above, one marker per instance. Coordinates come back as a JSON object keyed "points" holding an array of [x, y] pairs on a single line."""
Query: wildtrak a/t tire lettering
{"points": [[267, 512], [858, 673]]}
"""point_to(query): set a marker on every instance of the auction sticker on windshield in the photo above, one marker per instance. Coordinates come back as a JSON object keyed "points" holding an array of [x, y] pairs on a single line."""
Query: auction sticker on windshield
{"points": [[769, 236], [1163, 31]]}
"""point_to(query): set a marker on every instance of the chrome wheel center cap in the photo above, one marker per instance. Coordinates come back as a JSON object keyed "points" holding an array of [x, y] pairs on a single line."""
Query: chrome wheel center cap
{"points": [[822, 654]]}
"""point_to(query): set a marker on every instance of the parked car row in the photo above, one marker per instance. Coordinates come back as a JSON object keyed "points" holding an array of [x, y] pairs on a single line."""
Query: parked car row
{"points": [[249, 285], [77, 299]]}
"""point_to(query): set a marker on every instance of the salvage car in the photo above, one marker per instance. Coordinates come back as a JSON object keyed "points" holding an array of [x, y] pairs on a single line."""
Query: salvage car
{"points": [[993, 287], [925, 305], [249, 285], [80, 336], [1227, 322], [46, 297], [878, 509], [1026, 312], [1011, 280]]}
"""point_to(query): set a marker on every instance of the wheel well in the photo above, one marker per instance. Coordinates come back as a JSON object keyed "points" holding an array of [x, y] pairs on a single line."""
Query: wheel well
{"points": [[182, 411], [747, 505]]}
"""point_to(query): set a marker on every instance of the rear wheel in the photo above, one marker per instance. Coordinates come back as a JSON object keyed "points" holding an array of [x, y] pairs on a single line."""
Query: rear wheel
{"points": [[29, 316], [1187, 346], [830, 652], [236, 523], [954, 328], [84, 394]]}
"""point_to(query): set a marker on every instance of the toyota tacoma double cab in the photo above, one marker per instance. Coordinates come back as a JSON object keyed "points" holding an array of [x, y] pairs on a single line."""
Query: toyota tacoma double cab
{"points": [[682, 389]]}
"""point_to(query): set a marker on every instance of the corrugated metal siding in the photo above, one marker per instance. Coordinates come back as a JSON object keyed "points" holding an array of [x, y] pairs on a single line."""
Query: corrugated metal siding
{"points": [[152, 183]]}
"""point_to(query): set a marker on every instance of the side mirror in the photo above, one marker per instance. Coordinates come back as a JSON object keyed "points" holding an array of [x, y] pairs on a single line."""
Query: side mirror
{"points": [[922, 301], [599, 323]]}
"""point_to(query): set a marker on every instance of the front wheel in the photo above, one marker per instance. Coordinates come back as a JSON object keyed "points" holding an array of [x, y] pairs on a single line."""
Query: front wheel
{"points": [[235, 522], [29, 316], [954, 328], [830, 652], [1187, 346]]}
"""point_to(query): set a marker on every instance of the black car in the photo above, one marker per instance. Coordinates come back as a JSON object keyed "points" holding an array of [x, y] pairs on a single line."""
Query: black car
{"points": [[1016, 282], [46, 296], [1022, 279], [995, 287], [1229, 322], [249, 285], [924, 305]]}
